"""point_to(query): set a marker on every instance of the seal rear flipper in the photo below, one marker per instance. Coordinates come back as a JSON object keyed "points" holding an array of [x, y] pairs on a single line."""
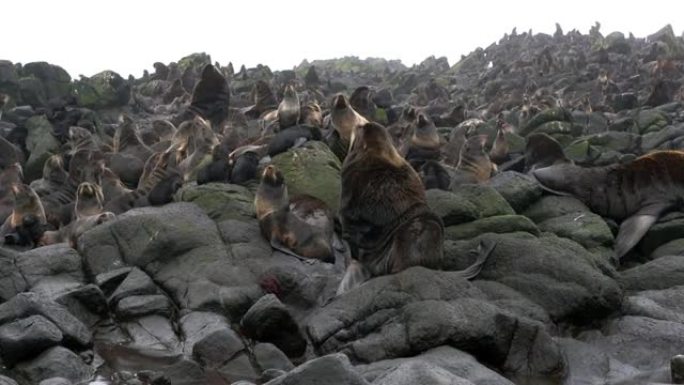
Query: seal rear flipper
{"points": [[635, 227], [483, 251], [355, 275]]}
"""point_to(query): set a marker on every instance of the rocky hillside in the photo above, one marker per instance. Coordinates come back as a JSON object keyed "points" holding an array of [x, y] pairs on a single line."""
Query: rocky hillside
{"points": [[190, 292]]}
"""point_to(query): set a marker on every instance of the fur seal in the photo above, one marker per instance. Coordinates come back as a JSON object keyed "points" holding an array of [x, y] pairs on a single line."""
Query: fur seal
{"points": [[452, 149], [434, 175], [288, 109], [9, 177], [499, 152], [4, 100], [384, 213], [311, 115], [425, 143], [211, 96], [362, 102], [287, 232], [542, 151], [637, 193], [474, 165], [264, 101], [292, 137], [344, 120], [26, 202]]}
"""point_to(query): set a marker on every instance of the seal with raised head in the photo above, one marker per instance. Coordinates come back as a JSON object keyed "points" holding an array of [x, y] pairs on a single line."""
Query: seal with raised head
{"points": [[543, 151], [384, 212], [638, 193], [26, 202], [344, 120], [474, 165], [288, 109], [425, 143], [303, 236]]}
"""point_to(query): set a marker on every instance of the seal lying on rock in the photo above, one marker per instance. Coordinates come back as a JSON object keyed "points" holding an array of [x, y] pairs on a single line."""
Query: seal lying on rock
{"points": [[637, 193], [301, 227], [384, 213]]}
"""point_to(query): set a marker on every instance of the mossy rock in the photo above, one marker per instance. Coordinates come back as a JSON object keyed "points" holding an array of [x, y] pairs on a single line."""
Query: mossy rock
{"points": [[106, 89], [668, 228], [518, 189], [454, 209], [516, 143], [498, 224], [195, 60], [552, 206], [41, 144], [653, 140], [220, 201], [313, 170], [31, 92], [55, 81], [548, 115], [556, 128], [616, 141], [651, 120], [587, 229], [486, 200], [674, 247]]}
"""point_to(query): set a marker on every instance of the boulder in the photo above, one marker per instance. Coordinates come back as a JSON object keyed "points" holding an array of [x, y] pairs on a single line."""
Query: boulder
{"points": [[55, 362], [136, 283], [209, 338], [143, 305], [662, 273], [587, 229], [454, 209], [497, 224], [553, 206], [312, 169], [220, 201], [103, 90], [269, 357], [487, 201], [49, 261], [518, 189], [330, 369], [268, 320], [41, 144], [26, 338]]}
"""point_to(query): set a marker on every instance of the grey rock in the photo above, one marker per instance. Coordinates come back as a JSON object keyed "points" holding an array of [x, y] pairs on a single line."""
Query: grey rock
{"points": [[143, 305], [419, 309], [497, 224], [556, 273], [11, 280], [268, 320], [28, 304], [488, 202], [518, 189], [47, 261], [7, 381], [446, 358], [41, 144], [668, 228], [239, 368], [26, 338], [330, 369], [587, 229], [55, 362], [136, 283], [662, 273], [677, 369], [85, 302], [589, 364], [209, 338], [110, 280], [675, 247], [268, 356], [425, 373], [153, 332], [56, 381], [220, 201], [552, 206]]}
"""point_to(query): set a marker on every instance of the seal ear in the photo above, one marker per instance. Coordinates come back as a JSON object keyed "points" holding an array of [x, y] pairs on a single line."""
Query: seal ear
{"points": [[635, 227]]}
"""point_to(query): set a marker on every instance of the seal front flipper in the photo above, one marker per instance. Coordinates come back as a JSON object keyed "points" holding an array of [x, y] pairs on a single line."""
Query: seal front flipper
{"points": [[355, 275], [483, 251], [276, 244], [635, 227]]}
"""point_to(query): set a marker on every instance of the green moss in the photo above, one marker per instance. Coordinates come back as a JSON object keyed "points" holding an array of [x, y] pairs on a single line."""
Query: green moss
{"points": [[220, 201], [497, 224]]}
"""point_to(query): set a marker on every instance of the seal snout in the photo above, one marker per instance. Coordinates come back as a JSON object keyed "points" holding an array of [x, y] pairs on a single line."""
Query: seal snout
{"points": [[272, 176], [340, 102]]}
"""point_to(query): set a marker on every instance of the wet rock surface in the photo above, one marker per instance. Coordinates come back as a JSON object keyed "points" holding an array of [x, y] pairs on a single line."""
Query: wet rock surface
{"points": [[181, 287]]}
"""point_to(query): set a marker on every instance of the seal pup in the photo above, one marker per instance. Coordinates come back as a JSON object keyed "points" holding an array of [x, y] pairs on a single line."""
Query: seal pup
{"points": [[288, 109], [311, 115], [287, 232], [474, 165], [637, 193], [384, 213]]}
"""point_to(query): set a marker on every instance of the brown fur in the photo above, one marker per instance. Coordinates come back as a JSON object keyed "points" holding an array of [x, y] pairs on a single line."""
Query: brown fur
{"points": [[474, 165], [288, 109], [312, 115], [26, 202]]}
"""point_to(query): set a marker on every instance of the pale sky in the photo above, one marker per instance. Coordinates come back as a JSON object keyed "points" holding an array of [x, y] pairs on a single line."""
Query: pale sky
{"points": [[128, 36]]}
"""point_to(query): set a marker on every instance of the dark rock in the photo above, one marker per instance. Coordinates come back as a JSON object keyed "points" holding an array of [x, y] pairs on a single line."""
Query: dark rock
{"points": [[497, 224], [414, 372], [48, 261], [239, 368], [677, 369], [7, 381], [552, 206], [269, 321], [56, 381], [28, 304], [587, 229], [110, 280], [136, 283], [220, 201], [153, 332], [269, 357], [103, 90], [209, 338], [26, 338], [143, 305], [330, 369], [486, 199], [446, 359], [55, 362]]}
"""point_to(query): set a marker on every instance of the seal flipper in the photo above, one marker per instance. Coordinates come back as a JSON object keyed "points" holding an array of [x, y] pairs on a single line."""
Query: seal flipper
{"points": [[635, 227], [355, 275], [277, 245], [483, 251]]}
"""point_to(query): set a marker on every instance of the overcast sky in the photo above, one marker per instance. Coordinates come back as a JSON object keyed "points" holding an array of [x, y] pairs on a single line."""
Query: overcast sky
{"points": [[127, 36]]}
